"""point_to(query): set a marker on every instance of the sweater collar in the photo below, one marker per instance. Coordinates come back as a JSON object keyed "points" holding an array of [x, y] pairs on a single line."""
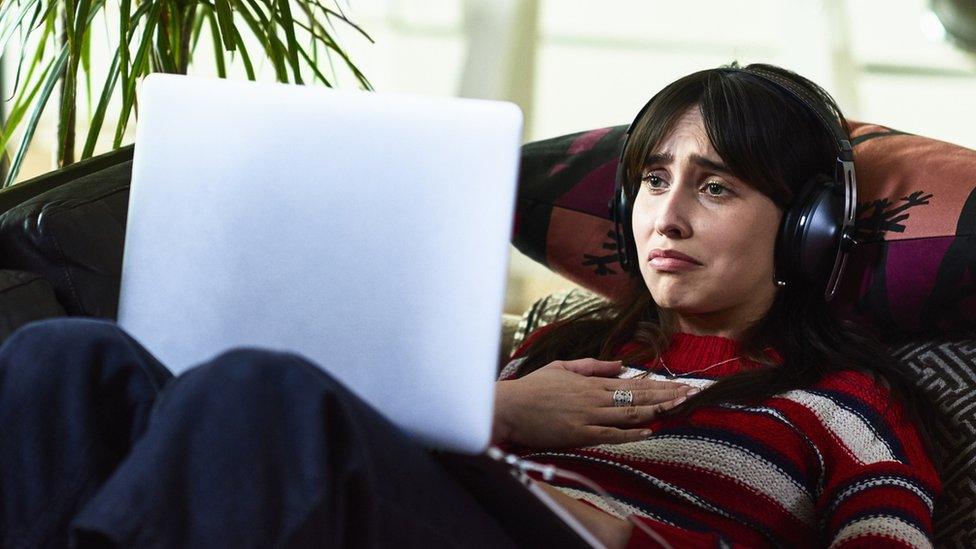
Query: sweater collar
{"points": [[690, 353]]}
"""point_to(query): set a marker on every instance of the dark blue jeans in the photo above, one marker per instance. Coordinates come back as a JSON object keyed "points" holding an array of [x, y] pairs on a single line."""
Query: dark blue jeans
{"points": [[102, 446]]}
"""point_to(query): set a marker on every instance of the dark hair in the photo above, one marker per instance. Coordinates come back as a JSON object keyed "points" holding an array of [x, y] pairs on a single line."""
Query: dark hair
{"points": [[749, 122]]}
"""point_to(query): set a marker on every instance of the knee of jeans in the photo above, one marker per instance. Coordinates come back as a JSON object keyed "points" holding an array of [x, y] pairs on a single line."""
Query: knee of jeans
{"points": [[56, 359], [62, 333], [250, 375]]}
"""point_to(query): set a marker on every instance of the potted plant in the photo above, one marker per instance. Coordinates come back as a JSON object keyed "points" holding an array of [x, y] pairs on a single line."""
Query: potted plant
{"points": [[55, 38]]}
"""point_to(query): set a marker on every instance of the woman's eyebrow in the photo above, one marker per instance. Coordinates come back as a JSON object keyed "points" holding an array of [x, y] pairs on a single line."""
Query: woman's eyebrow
{"points": [[658, 158], [696, 159], [715, 166]]}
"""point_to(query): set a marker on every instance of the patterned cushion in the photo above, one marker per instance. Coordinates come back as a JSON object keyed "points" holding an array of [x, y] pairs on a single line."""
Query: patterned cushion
{"points": [[945, 371], [944, 368], [913, 271]]}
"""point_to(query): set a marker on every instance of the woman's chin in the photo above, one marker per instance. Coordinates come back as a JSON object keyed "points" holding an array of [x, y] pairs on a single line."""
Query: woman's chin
{"points": [[675, 293], [683, 304]]}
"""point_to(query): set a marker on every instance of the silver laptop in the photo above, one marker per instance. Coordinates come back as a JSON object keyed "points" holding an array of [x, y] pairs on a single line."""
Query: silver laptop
{"points": [[367, 232]]}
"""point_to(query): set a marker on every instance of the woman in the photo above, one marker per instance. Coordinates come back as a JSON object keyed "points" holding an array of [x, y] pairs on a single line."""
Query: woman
{"points": [[805, 431], [775, 433]]}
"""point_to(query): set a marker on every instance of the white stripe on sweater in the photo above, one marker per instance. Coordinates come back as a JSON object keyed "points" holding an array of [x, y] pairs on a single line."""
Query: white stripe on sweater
{"points": [[672, 489], [725, 459], [882, 525], [855, 433], [510, 368], [603, 504], [851, 429]]}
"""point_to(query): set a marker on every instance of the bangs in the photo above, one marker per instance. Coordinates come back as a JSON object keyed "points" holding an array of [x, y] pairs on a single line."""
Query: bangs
{"points": [[656, 123]]}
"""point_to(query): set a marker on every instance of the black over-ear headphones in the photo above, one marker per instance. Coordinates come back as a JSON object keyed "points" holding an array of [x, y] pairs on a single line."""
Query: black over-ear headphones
{"points": [[817, 230]]}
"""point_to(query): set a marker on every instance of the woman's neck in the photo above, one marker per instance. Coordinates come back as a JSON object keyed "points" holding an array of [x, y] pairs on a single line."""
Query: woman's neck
{"points": [[718, 324], [733, 321]]}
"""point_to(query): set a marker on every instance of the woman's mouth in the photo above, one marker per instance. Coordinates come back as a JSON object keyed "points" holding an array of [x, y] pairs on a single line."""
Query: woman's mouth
{"points": [[672, 261]]}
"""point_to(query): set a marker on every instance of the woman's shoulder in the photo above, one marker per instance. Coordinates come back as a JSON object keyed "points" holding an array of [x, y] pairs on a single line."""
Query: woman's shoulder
{"points": [[842, 395], [856, 383], [858, 413]]}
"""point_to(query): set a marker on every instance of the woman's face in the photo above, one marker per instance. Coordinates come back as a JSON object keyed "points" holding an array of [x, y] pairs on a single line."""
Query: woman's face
{"points": [[726, 230]]}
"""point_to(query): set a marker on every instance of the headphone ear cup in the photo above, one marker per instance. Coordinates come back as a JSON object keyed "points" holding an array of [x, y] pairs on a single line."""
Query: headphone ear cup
{"points": [[810, 235], [630, 246], [622, 231], [620, 213]]}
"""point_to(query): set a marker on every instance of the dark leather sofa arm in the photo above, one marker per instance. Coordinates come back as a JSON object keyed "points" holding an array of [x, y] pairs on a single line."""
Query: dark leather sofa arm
{"points": [[12, 196], [68, 226], [25, 297]]}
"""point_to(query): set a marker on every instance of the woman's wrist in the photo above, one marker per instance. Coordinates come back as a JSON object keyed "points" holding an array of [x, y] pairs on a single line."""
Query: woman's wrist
{"points": [[501, 428], [610, 530]]}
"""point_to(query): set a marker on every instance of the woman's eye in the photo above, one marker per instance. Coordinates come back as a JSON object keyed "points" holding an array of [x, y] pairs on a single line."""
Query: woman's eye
{"points": [[716, 189], [653, 181]]}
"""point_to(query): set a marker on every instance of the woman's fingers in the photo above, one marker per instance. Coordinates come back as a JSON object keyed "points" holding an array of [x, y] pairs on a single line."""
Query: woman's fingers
{"points": [[631, 415], [655, 396], [603, 398], [640, 397], [614, 435], [593, 367], [636, 385]]}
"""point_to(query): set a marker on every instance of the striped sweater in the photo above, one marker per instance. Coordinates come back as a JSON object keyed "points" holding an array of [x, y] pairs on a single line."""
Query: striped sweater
{"points": [[826, 466]]}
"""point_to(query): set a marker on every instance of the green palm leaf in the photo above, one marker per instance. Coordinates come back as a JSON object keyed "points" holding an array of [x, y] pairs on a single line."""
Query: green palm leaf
{"points": [[283, 17], [28, 94], [225, 20], [245, 58], [218, 51], [49, 83], [139, 64], [10, 26], [98, 118]]}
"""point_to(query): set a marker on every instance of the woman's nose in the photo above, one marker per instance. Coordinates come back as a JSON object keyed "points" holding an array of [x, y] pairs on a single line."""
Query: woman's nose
{"points": [[672, 214]]}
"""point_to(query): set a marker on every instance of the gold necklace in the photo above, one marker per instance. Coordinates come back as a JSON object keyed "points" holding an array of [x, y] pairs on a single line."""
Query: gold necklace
{"points": [[672, 375]]}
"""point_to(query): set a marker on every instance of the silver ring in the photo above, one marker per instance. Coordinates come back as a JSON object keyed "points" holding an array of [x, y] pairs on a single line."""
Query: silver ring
{"points": [[623, 397]]}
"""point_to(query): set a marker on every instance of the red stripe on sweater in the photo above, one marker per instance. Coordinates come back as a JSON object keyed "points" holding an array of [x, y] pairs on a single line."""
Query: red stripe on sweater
{"points": [[762, 429], [725, 494]]}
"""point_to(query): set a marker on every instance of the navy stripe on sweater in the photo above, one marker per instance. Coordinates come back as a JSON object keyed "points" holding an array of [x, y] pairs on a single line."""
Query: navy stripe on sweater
{"points": [[747, 444], [658, 484]]}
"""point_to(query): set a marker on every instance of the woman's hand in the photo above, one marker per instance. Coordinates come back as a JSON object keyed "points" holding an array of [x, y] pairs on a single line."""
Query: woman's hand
{"points": [[568, 404], [610, 530]]}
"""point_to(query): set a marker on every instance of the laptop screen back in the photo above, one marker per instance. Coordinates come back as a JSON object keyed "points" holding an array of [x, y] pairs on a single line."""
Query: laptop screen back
{"points": [[367, 232]]}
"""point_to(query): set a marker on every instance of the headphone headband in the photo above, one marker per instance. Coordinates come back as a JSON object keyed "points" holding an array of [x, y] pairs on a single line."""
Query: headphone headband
{"points": [[845, 151]]}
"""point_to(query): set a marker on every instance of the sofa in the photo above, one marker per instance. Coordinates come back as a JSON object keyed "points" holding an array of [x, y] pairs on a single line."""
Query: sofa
{"points": [[61, 239]]}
